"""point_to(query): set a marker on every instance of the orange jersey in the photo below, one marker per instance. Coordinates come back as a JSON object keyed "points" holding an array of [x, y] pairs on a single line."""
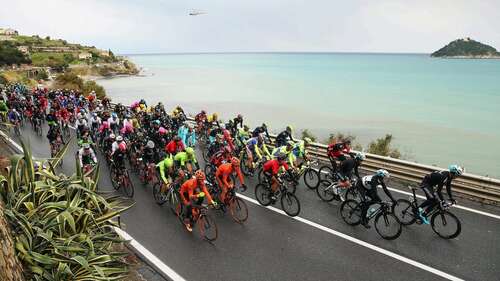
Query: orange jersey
{"points": [[192, 188], [224, 171]]}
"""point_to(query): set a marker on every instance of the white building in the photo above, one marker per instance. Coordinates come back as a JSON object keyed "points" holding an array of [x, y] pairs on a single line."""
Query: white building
{"points": [[84, 56], [8, 31]]}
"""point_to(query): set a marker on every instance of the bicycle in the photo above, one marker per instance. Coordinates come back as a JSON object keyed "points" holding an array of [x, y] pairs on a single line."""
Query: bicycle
{"points": [[386, 223], [406, 212], [55, 147], [237, 207], [330, 189], [206, 223], [147, 174], [171, 195], [37, 126], [120, 179], [17, 131], [289, 202]]}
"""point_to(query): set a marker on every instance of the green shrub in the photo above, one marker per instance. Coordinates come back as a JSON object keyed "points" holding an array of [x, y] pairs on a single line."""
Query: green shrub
{"points": [[63, 229], [10, 55], [69, 80], [42, 75], [382, 146], [306, 134], [90, 86]]}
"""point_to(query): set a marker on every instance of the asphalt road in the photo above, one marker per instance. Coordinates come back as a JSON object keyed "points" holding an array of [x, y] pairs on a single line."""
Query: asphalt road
{"points": [[271, 246]]}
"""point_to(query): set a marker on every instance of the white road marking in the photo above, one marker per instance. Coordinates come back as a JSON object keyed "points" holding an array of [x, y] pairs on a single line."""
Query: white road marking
{"points": [[359, 242], [150, 256]]}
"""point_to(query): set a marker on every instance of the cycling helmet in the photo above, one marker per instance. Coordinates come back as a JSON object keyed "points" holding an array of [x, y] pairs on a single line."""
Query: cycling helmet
{"points": [[382, 173], [156, 122], [246, 128], [289, 128], [94, 114], [203, 112], [235, 162], [112, 136], [281, 156], [264, 125], [162, 131], [122, 146], [150, 144], [86, 146], [455, 169], [360, 156], [240, 116], [119, 138], [307, 140], [199, 175], [190, 151], [114, 115]]}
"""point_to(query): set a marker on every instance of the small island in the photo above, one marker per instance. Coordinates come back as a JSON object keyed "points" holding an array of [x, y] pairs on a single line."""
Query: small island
{"points": [[468, 49]]}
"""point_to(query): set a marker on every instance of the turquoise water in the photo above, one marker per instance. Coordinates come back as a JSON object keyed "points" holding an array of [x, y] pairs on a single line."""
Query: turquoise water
{"points": [[439, 111]]}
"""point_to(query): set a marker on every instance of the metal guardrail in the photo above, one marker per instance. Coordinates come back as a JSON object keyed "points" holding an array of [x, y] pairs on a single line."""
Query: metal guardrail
{"points": [[483, 188]]}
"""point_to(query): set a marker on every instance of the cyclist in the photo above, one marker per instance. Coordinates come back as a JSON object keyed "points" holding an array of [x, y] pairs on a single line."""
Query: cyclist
{"points": [[284, 136], [259, 130], [184, 157], [51, 118], [299, 151], [54, 134], [437, 179], [149, 154], [86, 156], [271, 169], [337, 150], [194, 191], [238, 120], [368, 187], [81, 124], [222, 175], [3, 109], [116, 145], [254, 146], [166, 169], [14, 116], [174, 146], [118, 157], [114, 122], [95, 122]]}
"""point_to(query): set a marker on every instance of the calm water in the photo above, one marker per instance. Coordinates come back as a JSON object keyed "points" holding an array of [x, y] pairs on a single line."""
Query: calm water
{"points": [[439, 111]]}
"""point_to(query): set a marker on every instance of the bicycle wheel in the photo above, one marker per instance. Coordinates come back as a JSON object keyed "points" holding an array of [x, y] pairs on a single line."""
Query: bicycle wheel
{"points": [[114, 179], [244, 167], [324, 171], [353, 194], [263, 194], [173, 201], [403, 210], [128, 185], [446, 224], [350, 211], [238, 210], [159, 197], [311, 178], [142, 176], [325, 191], [387, 225], [290, 204], [207, 227]]}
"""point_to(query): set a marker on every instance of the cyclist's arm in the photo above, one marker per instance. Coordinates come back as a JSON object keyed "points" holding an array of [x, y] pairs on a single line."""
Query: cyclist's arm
{"points": [[387, 192], [448, 188], [265, 150], [93, 156], [209, 197], [225, 177], [240, 175], [162, 172], [257, 151]]}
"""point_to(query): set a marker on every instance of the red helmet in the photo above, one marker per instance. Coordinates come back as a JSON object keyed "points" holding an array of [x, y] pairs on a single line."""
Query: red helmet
{"points": [[122, 146], [199, 175]]}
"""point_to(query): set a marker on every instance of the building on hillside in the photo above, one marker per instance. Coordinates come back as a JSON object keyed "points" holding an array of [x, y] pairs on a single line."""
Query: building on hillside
{"points": [[84, 56], [24, 49], [8, 31], [104, 53]]}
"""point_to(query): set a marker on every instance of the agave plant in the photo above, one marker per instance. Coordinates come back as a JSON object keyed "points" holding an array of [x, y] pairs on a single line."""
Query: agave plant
{"points": [[63, 228]]}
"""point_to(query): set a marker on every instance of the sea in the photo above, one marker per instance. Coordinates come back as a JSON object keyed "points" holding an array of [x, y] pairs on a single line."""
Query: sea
{"points": [[439, 111]]}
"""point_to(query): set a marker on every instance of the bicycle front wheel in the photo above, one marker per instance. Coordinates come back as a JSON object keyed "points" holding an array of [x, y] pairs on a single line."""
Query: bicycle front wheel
{"points": [[207, 227], [403, 210], [325, 191], [159, 197], [238, 209], [263, 194], [290, 204], [173, 200], [311, 178], [387, 225], [446, 225], [128, 186], [350, 211]]}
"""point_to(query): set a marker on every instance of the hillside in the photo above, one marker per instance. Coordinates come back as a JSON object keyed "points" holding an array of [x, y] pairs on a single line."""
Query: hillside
{"points": [[466, 48]]}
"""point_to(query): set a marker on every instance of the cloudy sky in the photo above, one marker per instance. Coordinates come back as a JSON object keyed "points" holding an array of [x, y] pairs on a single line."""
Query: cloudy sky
{"points": [[153, 26]]}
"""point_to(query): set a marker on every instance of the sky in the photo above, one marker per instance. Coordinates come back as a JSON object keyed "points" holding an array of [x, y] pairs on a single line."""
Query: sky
{"points": [[164, 26]]}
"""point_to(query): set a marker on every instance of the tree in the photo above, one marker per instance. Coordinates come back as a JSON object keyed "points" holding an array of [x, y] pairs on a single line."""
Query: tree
{"points": [[47, 38], [382, 146], [90, 86], [69, 81], [306, 134], [42, 75], [10, 55]]}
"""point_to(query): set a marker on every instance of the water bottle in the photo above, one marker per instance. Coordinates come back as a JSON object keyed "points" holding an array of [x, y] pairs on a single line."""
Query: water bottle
{"points": [[370, 212]]}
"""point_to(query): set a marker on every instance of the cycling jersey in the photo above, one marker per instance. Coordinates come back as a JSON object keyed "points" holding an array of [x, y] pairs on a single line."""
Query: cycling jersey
{"points": [[273, 166], [173, 147], [183, 157], [191, 188], [165, 165]]}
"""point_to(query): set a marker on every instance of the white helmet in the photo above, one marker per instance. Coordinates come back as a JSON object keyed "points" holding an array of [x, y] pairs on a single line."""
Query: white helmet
{"points": [[150, 144], [383, 173], [119, 138]]}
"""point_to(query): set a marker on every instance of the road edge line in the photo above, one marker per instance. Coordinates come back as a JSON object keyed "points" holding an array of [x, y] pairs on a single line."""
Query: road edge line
{"points": [[359, 242]]}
